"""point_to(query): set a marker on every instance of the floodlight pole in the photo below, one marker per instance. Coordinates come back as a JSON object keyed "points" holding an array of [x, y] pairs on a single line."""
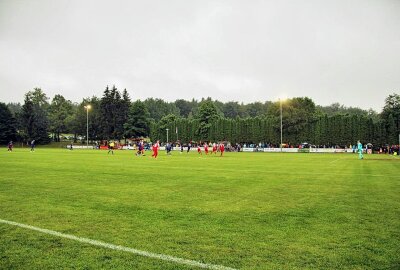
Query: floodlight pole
{"points": [[280, 101], [167, 133]]}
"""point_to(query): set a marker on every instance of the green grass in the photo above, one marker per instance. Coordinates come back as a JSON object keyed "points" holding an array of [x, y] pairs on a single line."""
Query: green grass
{"points": [[62, 144], [245, 210]]}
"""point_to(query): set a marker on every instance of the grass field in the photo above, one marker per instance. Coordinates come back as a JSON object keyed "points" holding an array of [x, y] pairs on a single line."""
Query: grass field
{"points": [[245, 210]]}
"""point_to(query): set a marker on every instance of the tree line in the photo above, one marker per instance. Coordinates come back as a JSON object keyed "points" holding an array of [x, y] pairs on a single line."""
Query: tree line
{"points": [[116, 116]]}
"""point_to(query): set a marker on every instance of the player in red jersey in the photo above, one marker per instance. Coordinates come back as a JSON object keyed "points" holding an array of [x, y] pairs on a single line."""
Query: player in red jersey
{"points": [[10, 146], [214, 148], [222, 148], [206, 148], [155, 149], [199, 150]]}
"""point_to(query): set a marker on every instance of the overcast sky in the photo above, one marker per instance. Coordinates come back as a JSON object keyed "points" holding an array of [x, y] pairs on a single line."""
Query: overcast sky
{"points": [[332, 51]]}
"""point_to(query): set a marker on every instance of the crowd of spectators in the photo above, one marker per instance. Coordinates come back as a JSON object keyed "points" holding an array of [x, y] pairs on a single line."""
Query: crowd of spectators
{"points": [[389, 149]]}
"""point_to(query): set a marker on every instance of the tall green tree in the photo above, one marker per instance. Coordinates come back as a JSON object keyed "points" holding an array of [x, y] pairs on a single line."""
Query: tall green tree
{"points": [[114, 110], [391, 117], [206, 115], [231, 109], [392, 134], [125, 104], [159, 108], [60, 110], [77, 124], [256, 109], [7, 125], [184, 107], [167, 121], [15, 108], [297, 113], [337, 108], [34, 118], [138, 124]]}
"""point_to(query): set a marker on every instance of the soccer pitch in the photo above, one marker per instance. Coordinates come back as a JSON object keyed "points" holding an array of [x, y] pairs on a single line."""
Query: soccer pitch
{"points": [[242, 211]]}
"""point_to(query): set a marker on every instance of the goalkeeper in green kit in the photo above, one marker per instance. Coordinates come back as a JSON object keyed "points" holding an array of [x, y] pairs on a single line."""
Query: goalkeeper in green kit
{"points": [[360, 150]]}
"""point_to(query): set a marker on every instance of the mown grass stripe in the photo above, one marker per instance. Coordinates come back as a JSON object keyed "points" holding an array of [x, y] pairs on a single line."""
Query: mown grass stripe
{"points": [[158, 256]]}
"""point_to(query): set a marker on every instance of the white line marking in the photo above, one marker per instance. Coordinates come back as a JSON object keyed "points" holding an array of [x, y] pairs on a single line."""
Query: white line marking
{"points": [[333, 161], [163, 257]]}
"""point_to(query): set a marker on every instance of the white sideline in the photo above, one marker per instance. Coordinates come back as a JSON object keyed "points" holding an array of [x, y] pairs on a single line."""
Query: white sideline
{"points": [[163, 257]]}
